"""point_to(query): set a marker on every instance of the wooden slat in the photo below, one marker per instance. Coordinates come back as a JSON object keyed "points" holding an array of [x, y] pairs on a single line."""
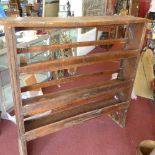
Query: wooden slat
{"points": [[70, 45], [68, 122], [51, 95], [54, 22], [66, 80], [67, 63], [64, 98]]}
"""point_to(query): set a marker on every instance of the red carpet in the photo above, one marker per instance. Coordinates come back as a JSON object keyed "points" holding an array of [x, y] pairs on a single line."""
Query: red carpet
{"points": [[100, 136]]}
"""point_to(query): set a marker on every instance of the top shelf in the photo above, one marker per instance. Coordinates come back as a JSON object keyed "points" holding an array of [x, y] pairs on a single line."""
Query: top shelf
{"points": [[69, 22]]}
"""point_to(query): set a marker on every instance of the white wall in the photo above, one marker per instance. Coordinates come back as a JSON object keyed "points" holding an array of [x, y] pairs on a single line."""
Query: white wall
{"points": [[76, 6]]}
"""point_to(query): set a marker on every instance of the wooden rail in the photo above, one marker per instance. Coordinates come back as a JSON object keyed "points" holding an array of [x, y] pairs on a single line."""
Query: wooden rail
{"points": [[71, 45], [70, 121], [60, 64], [59, 100]]}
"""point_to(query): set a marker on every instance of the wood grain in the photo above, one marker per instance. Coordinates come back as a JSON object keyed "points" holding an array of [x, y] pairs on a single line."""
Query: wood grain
{"points": [[70, 22], [65, 98], [71, 45], [67, 63]]}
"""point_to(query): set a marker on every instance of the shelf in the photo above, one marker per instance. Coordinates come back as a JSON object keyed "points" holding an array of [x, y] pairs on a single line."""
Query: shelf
{"points": [[85, 95], [73, 97], [64, 119]]}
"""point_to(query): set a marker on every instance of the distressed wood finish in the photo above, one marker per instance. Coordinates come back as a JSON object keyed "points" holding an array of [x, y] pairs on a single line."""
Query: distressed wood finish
{"points": [[11, 45], [66, 80], [68, 122], [69, 98], [61, 64], [48, 113], [71, 45], [70, 22]]}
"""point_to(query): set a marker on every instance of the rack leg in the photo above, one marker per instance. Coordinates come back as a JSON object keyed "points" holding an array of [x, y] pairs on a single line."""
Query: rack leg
{"points": [[119, 117], [22, 147]]}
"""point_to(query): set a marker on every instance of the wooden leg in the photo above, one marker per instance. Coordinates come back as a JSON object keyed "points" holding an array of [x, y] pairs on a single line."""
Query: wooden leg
{"points": [[22, 147], [119, 117]]}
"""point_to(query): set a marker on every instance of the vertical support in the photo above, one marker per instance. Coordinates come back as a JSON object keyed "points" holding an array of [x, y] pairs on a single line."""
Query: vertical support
{"points": [[136, 36], [119, 117], [127, 71], [15, 83]]}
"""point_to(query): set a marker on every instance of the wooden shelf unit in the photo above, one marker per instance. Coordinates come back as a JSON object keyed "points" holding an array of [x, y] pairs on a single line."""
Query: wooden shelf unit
{"points": [[78, 104]]}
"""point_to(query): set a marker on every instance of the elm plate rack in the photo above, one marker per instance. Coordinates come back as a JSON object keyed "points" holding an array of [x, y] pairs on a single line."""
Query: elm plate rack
{"points": [[73, 105]]}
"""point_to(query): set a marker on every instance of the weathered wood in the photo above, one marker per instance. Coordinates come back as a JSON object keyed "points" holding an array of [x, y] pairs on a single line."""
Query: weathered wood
{"points": [[55, 22], [68, 122], [136, 35], [119, 117], [70, 45], [66, 98], [67, 80], [76, 105], [11, 45], [67, 63]]}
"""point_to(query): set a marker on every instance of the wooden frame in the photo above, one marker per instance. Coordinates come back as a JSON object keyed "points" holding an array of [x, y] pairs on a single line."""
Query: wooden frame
{"points": [[79, 104]]}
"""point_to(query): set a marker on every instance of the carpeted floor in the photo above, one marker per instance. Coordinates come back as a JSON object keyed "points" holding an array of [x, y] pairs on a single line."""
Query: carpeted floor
{"points": [[100, 136]]}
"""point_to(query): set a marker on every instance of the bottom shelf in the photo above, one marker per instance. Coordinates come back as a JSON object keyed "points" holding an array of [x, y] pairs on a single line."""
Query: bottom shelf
{"points": [[70, 117]]}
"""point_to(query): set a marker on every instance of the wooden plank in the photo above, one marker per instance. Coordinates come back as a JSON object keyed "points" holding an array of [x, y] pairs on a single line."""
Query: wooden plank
{"points": [[55, 22], [15, 83], [66, 80], [51, 95], [70, 45], [73, 96], [67, 63], [68, 122]]}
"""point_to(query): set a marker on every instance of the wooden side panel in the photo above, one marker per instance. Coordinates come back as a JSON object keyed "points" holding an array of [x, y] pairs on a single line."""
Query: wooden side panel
{"points": [[136, 35]]}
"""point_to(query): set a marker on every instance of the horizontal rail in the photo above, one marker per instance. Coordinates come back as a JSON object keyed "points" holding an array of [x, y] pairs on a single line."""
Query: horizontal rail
{"points": [[72, 97], [68, 122], [66, 80], [67, 63], [87, 21], [70, 45]]}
